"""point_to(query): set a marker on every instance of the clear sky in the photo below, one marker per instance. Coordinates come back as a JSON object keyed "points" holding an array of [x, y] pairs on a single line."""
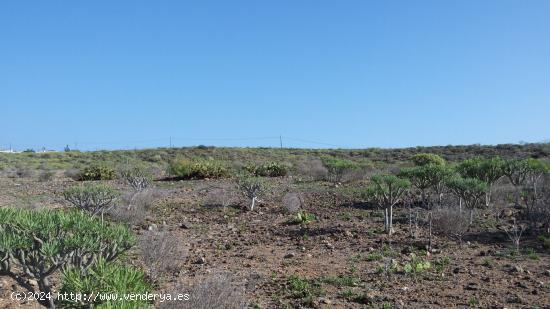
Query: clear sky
{"points": [[125, 74]]}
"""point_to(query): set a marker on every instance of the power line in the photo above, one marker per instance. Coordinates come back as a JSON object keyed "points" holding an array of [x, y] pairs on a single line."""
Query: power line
{"points": [[172, 140], [313, 142]]}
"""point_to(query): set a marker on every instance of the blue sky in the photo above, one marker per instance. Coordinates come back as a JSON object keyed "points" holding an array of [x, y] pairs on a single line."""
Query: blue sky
{"points": [[125, 74]]}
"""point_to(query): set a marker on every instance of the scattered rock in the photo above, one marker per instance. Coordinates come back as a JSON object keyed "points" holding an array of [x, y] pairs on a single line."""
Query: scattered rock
{"points": [[152, 227], [507, 212], [517, 269], [456, 270], [200, 260], [472, 286], [185, 225], [324, 300], [515, 299], [290, 255], [521, 285]]}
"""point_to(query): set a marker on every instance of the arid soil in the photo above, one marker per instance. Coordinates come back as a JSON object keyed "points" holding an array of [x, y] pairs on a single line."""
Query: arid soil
{"points": [[344, 255]]}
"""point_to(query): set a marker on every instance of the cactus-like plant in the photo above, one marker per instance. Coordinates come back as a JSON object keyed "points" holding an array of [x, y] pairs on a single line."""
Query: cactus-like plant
{"points": [[92, 198], [386, 191], [251, 188], [36, 244], [137, 178], [105, 278]]}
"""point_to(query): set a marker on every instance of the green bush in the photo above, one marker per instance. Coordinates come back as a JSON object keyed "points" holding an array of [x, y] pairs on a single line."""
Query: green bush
{"points": [[198, 169], [35, 244], [271, 169], [303, 217], [423, 159], [110, 279], [337, 168], [97, 172], [416, 266], [304, 289]]}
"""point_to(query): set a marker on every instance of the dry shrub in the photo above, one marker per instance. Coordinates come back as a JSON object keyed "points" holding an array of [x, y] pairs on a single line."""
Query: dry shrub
{"points": [[46, 175], [72, 173], [20, 172], [354, 175], [134, 206], [162, 253], [293, 202], [311, 167], [218, 291], [220, 197], [450, 222]]}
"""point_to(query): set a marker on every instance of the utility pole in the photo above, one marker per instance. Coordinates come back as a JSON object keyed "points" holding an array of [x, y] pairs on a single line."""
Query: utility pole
{"points": [[170, 141], [281, 140]]}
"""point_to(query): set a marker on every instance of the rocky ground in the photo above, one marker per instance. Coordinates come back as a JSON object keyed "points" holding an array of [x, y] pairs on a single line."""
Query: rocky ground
{"points": [[343, 259]]}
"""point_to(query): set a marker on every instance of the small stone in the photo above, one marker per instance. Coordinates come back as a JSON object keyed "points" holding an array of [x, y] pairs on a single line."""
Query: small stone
{"points": [[200, 260], [547, 272], [472, 286], [521, 285], [290, 255], [456, 270], [324, 300], [152, 227], [517, 269], [185, 226]]}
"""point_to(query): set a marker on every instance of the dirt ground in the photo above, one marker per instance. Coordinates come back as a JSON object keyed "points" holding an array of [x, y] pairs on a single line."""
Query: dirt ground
{"points": [[344, 255]]}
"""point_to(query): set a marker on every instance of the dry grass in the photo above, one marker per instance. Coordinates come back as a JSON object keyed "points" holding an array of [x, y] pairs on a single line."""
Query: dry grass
{"points": [[162, 253], [218, 291]]}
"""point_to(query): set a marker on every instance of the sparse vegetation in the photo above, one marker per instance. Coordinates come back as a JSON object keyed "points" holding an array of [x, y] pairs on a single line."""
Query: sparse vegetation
{"points": [[340, 257], [162, 253], [218, 291]]}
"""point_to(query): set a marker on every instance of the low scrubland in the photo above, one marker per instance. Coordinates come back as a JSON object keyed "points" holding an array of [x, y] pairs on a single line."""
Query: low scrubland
{"points": [[449, 226]]}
